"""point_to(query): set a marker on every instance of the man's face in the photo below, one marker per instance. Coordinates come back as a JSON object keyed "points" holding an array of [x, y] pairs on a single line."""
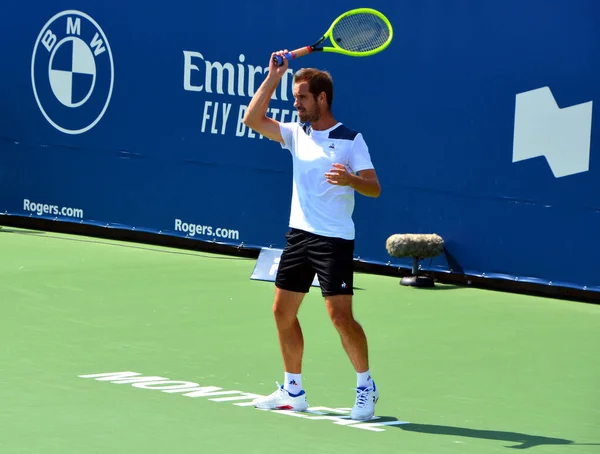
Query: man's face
{"points": [[306, 104]]}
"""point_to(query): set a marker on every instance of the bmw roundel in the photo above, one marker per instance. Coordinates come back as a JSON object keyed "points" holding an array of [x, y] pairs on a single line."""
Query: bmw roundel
{"points": [[72, 72]]}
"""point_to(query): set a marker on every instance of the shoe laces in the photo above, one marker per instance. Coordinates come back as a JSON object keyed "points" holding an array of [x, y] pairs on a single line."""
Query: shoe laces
{"points": [[280, 389], [362, 396]]}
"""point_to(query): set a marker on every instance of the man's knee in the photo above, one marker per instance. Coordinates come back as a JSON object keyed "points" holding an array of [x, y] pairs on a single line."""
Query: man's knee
{"points": [[342, 321], [285, 306], [281, 312], [340, 311]]}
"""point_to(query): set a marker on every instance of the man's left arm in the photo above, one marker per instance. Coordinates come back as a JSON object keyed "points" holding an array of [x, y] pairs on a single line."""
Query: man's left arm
{"points": [[364, 178], [366, 183]]}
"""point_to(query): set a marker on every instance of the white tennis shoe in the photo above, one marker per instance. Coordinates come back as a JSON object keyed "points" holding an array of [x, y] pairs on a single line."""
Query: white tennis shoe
{"points": [[282, 400], [364, 407]]}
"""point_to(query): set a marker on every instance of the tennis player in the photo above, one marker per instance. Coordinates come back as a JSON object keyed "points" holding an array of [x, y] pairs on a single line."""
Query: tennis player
{"points": [[330, 163]]}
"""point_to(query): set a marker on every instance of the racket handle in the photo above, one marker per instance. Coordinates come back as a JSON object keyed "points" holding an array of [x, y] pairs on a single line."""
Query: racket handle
{"points": [[279, 60], [293, 54]]}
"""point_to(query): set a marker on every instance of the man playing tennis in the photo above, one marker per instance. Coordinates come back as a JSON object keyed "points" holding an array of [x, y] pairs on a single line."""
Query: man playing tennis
{"points": [[330, 163]]}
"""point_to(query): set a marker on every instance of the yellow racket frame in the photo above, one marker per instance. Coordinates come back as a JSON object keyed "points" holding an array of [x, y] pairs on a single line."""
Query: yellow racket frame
{"points": [[352, 12], [300, 52]]}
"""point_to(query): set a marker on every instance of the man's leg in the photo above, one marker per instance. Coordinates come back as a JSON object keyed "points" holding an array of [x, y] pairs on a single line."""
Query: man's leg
{"points": [[289, 396], [351, 332], [354, 341], [333, 261], [291, 341], [294, 277]]}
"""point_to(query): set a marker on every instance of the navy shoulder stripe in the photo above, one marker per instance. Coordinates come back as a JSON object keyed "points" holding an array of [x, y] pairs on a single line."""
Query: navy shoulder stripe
{"points": [[343, 133], [306, 127]]}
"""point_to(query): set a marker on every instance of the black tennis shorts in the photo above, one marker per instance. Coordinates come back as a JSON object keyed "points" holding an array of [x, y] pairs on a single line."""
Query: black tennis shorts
{"points": [[307, 254]]}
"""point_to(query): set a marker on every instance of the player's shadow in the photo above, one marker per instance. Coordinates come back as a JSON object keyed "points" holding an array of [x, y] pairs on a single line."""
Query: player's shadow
{"points": [[522, 441]]}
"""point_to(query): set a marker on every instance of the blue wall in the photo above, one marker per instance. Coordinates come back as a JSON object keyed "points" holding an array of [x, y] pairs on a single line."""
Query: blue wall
{"points": [[437, 109]]}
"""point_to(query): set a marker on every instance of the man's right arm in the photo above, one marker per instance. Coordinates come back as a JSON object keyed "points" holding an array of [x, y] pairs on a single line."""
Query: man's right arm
{"points": [[256, 115]]}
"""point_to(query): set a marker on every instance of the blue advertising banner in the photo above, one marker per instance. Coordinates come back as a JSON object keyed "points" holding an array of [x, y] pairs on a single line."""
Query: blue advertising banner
{"points": [[479, 117]]}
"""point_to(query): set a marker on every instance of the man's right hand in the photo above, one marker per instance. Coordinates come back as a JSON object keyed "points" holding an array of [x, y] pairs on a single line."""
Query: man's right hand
{"points": [[278, 71]]}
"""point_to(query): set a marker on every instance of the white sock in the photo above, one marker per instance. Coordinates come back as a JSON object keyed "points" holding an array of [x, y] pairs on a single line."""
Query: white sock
{"points": [[293, 383], [363, 379]]}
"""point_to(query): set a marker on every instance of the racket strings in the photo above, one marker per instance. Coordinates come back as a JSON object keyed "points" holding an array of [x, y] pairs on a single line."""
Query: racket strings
{"points": [[361, 32]]}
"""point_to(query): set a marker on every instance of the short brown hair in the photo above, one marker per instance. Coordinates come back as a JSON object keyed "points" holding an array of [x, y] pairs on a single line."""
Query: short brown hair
{"points": [[318, 82]]}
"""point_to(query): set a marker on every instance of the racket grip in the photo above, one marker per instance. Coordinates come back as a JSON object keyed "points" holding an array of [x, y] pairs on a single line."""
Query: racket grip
{"points": [[279, 60]]}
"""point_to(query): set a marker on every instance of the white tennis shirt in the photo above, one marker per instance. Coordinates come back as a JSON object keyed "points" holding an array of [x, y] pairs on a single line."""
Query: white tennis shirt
{"points": [[318, 206]]}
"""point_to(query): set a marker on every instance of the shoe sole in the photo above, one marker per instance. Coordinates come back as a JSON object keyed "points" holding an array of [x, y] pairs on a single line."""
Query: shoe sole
{"points": [[282, 407]]}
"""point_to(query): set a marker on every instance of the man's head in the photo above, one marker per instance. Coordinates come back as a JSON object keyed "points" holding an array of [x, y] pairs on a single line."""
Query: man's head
{"points": [[313, 91]]}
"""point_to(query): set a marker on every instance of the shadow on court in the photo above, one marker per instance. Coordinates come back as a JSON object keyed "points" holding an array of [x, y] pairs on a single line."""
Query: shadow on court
{"points": [[21, 232], [523, 441], [437, 288], [441, 287], [121, 245]]}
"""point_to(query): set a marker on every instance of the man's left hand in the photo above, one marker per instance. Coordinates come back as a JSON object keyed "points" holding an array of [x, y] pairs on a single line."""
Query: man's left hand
{"points": [[339, 176]]}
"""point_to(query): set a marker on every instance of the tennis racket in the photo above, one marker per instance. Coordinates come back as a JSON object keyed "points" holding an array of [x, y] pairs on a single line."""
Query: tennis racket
{"points": [[357, 33]]}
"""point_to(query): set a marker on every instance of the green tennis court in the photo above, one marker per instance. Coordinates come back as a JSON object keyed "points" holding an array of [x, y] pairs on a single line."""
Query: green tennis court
{"points": [[460, 370]]}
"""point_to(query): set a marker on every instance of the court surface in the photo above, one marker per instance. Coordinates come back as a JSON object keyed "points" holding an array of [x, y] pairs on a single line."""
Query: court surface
{"points": [[460, 370]]}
